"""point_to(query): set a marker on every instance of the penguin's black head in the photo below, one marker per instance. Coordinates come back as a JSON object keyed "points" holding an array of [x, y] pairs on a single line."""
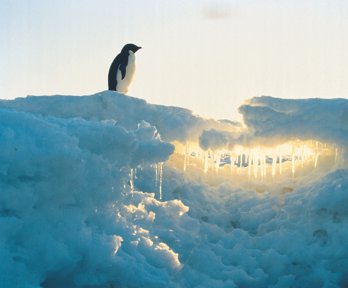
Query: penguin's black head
{"points": [[130, 47]]}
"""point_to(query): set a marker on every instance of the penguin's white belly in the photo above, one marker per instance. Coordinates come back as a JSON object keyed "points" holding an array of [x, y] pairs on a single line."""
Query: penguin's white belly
{"points": [[123, 84]]}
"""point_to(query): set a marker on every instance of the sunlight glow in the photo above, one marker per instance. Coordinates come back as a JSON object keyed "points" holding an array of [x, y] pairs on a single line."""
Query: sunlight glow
{"points": [[259, 162]]}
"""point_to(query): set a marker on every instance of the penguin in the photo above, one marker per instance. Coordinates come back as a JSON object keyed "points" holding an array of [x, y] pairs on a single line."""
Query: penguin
{"points": [[122, 69]]}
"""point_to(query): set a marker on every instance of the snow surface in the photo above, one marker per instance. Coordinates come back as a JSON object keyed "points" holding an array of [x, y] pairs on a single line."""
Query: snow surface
{"points": [[80, 205]]}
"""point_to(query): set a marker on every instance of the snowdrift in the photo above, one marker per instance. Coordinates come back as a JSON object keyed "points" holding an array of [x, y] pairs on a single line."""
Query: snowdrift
{"points": [[107, 190]]}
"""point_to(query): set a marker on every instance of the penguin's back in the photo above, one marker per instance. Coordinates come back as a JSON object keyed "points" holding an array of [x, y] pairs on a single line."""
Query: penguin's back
{"points": [[123, 84]]}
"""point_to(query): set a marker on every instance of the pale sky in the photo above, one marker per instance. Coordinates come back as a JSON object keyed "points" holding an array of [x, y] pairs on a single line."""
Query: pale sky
{"points": [[208, 56]]}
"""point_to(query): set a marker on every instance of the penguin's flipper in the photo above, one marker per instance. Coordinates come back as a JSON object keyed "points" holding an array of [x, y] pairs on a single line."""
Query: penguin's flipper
{"points": [[122, 68]]}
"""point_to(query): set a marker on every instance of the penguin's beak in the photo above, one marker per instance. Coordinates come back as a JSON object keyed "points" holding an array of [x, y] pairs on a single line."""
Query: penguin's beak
{"points": [[139, 48]]}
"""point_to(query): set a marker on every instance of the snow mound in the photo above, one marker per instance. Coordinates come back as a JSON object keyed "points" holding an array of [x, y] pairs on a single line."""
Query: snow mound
{"points": [[325, 120], [271, 120], [91, 196]]}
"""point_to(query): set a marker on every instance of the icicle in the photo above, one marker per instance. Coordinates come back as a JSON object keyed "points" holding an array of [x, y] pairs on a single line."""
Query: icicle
{"points": [[231, 162], [156, 176], [237, 163], [316, 154], [160, 172], [131, 180], [316, 159], [293, 163], [159, 178], [244, 160], [206, 159], [186, 158], [298, 153], [249, 164], [336, 155], [302, 155], [274, 163], [262, 170], [280, 163], [263, 165], [255, 165], [217, 157]]}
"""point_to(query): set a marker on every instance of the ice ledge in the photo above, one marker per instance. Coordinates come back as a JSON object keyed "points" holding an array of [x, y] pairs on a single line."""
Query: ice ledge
{"points": [[173, 123]]}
